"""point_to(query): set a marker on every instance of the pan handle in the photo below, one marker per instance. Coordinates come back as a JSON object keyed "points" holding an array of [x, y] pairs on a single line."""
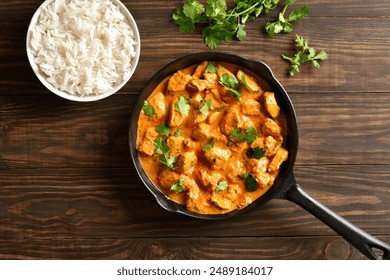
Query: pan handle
{"points": [[363, 241]]}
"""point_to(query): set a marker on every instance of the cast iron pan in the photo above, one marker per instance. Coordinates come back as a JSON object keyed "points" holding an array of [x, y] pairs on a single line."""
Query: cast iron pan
{"points": [[285, 186]]}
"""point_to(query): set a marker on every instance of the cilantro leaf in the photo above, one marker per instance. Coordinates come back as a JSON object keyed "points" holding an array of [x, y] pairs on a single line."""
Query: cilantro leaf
{"points": [[220, 23], [249, 136], [250, 182], [304, 54], [232, 84], [209, 145], [221, 186], [284, 24], [163, 149], [178, 132], [182, 105], [148, 109], [208, 105], [179, 186], [211, 68], [164, 129], [255, 152]]}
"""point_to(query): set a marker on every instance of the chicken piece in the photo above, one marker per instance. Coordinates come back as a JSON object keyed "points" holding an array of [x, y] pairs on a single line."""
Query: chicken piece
{"points": [[214, 117], [227, 199], [246, 123], [222, 70], [202, 132], [175, 143], [263, 179], [177, 83], [251, 107], [211, 77], [167, 178], [257, 166], [217, 157], [185, 162], [249, 80], [259, 142], [175, 118], [271, 105], [209, 178], [146, 145], [196, 200], [196, 101], [270, 127], [199, 85], [280, 156], [231, 120], [234, 168], [157, 101], [199, 71], [271, 145]]}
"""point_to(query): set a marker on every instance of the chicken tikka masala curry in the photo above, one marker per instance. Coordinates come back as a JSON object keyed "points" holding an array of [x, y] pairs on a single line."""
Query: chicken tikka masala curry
{"points": [[212, 137]]}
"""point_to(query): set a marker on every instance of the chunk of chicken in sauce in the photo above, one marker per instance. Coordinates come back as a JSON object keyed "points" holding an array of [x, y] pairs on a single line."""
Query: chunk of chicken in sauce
{"points": [[215, 138]]}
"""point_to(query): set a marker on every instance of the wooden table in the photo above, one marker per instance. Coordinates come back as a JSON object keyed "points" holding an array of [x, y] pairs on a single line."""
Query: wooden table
{"points": [[69, 190]]}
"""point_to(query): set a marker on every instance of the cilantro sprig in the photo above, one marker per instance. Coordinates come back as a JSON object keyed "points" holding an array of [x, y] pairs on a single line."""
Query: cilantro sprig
{"points": [[179, 186], [250, 182], [304, 53], [223, 24], [249, 135], [232, 84], [256, 152], [163, 150], [284, 24], [182, 105], [148, 109]]}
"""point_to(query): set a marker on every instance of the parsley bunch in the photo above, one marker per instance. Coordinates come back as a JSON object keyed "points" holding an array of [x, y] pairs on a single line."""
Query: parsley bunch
{"points": [[304, 54], [223, 23]]}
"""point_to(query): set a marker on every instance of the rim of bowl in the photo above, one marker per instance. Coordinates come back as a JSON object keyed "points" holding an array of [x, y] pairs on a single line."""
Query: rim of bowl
{"points": [[86, 98]]}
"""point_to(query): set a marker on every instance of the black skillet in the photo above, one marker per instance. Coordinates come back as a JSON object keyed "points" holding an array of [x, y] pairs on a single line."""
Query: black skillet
{"points": [[285, 186]]}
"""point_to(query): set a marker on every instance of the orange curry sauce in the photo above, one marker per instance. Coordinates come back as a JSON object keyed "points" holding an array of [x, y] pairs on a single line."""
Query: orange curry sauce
{"points": [[211, 137]]}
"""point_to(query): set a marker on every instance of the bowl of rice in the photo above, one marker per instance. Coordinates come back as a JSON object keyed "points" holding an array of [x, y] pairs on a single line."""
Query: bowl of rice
{"points": [[83, 50]]}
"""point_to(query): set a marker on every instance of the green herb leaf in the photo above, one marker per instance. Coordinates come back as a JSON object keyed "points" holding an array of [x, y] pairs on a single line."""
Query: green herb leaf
{"points": [[208, 105], [304, 53], [164, 129], [163, 149], [182, 105], [221, 186], [211, 68], [209, 145], [283, 24], [178, 132], [249, 136], [179, 186], [232, 84], [219, 22], [148, 109], [255, 152], [250, 182]]}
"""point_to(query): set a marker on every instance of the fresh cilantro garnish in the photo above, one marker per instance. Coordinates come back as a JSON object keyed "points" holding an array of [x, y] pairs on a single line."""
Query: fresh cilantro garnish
{"points": [[164, 129], [211, 68], [250, 182], [249, 136], [304, 53], [255, 152], [222, 24], [148, 109], [209, 145], [182, 105], [221, 186], [179, 186], [208, 105], [163, 149], [178, 132], [284, 24], [244, 83], [232, 84]]}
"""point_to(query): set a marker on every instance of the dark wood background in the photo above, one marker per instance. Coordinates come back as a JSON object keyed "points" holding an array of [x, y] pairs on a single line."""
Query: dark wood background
{"points": [[68, 188]]}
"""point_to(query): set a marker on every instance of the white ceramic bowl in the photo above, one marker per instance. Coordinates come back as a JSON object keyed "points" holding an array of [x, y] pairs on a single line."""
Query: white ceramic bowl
{"points": [[91, 97]]}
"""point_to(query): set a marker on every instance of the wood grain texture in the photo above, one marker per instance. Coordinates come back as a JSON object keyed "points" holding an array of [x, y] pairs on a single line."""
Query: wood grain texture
{"points": [[97, 203], [289, 248]]}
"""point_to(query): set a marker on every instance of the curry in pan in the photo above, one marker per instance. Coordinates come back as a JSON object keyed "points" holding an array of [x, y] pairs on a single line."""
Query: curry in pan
{"points": [[212, 137]]}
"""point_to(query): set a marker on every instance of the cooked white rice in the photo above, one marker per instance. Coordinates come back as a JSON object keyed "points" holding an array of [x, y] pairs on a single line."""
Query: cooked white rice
{"points": [[84, 47]]}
